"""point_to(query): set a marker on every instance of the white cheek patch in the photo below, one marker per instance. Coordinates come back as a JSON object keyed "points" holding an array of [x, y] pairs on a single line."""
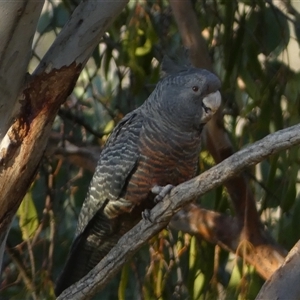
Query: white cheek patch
{"points": [[211, 103]]}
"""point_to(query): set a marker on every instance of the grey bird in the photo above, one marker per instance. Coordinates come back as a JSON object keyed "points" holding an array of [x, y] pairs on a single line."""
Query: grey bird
{"points": [[157, 144]]}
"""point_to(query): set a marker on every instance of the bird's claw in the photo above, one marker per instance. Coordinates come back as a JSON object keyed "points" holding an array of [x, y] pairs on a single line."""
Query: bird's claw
{"points": [[161, 191]]}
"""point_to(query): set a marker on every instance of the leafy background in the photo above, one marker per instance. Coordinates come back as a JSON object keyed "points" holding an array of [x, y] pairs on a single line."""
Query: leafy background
{"points": [[254, 46]]}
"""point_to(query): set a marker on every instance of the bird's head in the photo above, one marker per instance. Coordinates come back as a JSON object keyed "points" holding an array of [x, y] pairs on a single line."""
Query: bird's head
{"points": [[189, 97]]}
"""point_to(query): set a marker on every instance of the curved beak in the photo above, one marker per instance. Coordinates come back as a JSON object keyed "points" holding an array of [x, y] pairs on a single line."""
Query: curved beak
{"points": [[210, 105]]}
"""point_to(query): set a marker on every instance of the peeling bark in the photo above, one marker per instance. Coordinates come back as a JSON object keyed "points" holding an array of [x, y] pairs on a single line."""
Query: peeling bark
{"points": [[29, 134]]}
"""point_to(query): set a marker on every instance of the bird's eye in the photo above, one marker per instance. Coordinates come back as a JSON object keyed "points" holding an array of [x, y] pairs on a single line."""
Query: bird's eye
{"points": [[195, 88]]}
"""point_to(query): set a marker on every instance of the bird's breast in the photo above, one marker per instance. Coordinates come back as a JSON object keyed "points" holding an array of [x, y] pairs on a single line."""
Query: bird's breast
{"points": [[161, 162]]}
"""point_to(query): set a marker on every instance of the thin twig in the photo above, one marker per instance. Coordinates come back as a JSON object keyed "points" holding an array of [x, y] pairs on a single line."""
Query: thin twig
{"points": [[29, 283]]}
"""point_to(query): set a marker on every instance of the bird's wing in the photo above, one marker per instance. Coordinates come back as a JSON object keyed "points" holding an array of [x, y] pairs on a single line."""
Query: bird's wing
{"points": [[117, 161], [97, 230]]}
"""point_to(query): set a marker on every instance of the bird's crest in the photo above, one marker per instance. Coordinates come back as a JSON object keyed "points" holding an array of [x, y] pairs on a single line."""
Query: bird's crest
{"points": [[175, 64]]}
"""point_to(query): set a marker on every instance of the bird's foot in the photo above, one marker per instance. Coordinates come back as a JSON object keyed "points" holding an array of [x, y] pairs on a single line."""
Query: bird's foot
{"points": [[161, 192]]}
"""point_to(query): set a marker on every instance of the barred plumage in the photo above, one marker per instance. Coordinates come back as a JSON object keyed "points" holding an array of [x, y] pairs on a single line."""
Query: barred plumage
{"points": [[156, 144]]}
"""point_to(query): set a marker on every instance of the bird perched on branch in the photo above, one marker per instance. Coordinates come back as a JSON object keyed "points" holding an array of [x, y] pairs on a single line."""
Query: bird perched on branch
{"points": [[157, 144]]}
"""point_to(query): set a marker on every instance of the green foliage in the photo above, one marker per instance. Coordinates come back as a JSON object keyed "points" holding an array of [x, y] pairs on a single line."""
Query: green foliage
{"points": [[28, 218], [249, 44]]}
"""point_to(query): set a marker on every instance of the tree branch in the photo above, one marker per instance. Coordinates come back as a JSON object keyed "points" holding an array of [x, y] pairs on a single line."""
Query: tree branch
{"points": [[225, 231], [82, 157], [190, 33], [82, 33], [181, 195], [15, 52]]}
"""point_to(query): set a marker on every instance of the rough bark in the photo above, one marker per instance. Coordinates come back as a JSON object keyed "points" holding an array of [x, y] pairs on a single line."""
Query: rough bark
{"points": [[24, 142], [284, 284], [180, 196]]}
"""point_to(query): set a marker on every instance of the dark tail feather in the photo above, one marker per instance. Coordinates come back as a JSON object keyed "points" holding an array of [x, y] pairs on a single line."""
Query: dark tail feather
{"points": [[98, 238]]}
